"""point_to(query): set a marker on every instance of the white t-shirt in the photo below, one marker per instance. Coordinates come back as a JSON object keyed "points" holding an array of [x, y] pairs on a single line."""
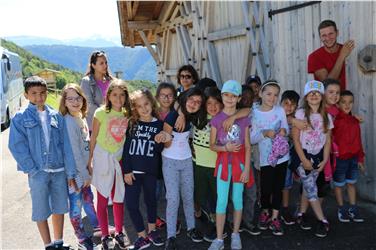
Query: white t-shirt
{"points": [[179, 148]]}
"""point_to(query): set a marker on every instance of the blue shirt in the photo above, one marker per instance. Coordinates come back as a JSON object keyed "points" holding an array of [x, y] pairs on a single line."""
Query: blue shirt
{"points": [[28, 146]]}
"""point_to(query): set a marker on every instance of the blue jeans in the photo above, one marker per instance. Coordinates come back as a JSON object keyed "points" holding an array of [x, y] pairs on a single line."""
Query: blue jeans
{"points": [[77, 200]]}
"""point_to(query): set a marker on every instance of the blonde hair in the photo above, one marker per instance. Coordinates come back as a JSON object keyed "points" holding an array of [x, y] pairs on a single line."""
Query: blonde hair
{"points": [[63, 108], [118, 83], [135, 95]]}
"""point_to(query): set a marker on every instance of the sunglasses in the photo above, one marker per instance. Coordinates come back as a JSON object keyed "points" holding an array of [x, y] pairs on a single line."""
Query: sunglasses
{"points": [[187, 77]]}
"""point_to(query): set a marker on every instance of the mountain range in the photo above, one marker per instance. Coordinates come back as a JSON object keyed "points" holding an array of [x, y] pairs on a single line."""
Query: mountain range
{"points": [[134, 63]]}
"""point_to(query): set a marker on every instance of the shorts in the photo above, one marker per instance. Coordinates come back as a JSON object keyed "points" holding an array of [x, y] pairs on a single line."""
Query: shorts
{"points": [[288, 179], [347, 172], [49, 194]]}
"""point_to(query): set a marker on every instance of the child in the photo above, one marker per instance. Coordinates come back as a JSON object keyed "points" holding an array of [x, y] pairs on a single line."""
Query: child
{"points": [[233, 162], [177, 165], [313, 147], [269, 125], [73, 106], [255, 83], [347, 136], [106, 146], [166, 95], [39, 143], [289, 102], [204, 180], [141, 157]]}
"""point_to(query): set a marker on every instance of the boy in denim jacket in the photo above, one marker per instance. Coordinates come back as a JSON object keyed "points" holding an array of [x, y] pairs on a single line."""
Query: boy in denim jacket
{"points": [[38, 143]]}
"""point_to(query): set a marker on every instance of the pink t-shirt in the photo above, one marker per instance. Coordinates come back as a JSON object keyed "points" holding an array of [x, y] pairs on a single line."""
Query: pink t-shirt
{"points": [[103, 85], [235, 134]]}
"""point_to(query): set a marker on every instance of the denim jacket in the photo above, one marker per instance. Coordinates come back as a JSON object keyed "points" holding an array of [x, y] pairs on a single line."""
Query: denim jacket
{"points": [[28, 146]]}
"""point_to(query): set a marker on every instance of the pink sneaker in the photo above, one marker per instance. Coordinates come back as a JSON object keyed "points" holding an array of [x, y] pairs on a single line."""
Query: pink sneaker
{"points": [[264, 220]]}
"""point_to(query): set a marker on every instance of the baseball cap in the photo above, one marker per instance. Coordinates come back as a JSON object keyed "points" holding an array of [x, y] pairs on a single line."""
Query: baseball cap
{"points": [[314, 85], [233, 87]]}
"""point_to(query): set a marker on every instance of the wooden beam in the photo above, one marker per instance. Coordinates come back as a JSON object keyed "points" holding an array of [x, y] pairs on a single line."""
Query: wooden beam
{"points": [[129, 10], [131, 38], [171, 72], [157, 9], [166, 11], [235, 31], [143, 25], [149, 47], [135, 7], [214, 66], [173, 23], [182, 44]]}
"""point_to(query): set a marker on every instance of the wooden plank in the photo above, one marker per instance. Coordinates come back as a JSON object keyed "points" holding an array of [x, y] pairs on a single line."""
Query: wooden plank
{"points": [[184, 49], [135, 8], [149, 47], [230, 32], [131, 37], [157, 9], [214, 66], [143, 25], [129, 10], [168, 7]]}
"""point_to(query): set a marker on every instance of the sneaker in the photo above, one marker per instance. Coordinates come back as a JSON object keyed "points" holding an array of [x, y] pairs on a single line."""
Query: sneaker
{"points": [[108, 243], [286, 217], [343, 215], [122, 240], [276, 227], [204, 217], [155, 238], [302, 221], [171, 244], [264, 221], [62, 246], [87, 244], [97, 232], [160, 223], [217, 244], [252, 229], [178, 227], [354, 214], [211, 233], [236, 242], [322, 229], [195, 235], [141, 243]]}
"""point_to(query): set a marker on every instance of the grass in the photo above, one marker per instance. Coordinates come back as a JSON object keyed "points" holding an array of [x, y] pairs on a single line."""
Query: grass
{"points": [[53, 101]]}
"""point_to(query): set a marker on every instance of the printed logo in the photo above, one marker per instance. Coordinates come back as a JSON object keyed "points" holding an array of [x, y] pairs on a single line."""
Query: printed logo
{"points": [[117, 127]]}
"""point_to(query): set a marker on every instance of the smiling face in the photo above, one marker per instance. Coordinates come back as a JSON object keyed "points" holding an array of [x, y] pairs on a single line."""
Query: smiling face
{"points": [[193, 103], [213, 106], [346, 103], [73, 102], [314, 98], [144, 108], [186, 79], [328, 37], [165, 98], [269, 96], [37, 95], [230, 100], [117, 98], [289, 106], [332, 94]]}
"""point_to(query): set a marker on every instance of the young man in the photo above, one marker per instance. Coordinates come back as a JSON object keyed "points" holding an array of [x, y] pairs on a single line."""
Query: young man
{"points": [[38, 143], [329, 60]]}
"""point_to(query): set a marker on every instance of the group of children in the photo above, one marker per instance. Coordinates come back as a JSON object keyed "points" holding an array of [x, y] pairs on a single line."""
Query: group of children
{"points": [[197, 146]]}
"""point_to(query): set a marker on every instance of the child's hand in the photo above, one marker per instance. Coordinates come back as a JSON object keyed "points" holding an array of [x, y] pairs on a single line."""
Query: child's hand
{"points": [[282, 132], [232, 147], [87, 183], [72, 183], [227, 124], [362, 168], [162, 137], [269, 133], [244, 177], [180, 123], [128, 178], [300, 124], [90, 169], [307, 164], [321, 166], [359, 118]]}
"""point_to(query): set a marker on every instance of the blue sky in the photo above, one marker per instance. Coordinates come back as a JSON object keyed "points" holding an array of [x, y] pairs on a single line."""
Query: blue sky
{"points": [[60, 19]]}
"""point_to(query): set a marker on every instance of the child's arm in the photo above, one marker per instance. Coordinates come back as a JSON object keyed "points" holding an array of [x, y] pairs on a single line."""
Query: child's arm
{"points": [[244, 112], [307, 164], [229, 147], [93, 140], [244, 177], [300, 124], [168, 129], [327, 147]]}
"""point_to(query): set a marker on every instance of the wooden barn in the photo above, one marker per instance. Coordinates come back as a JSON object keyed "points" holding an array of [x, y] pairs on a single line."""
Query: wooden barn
{"points": [[230, 40]]}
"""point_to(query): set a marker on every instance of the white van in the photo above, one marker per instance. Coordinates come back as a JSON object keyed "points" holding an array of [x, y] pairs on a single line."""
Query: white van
{"points": [[11, 86]]}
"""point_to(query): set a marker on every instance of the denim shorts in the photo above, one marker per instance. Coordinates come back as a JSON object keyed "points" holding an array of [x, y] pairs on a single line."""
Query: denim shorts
{"points": [[288, 179], [347, 171], [49, 194]]}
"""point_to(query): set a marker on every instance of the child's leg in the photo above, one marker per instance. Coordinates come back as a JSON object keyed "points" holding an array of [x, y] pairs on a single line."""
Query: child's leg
{"points": [[266, 183], [212, 192], [237, 200], [186, 187], [286, 189], [58, 225], [339, 197], [352, 175], [118, 211], [278, 184], [149, 184], [201, 189], [223, 188], [132, 197], [75, 202], [102, 214], [44, 231], [88, 204], [249, 200], [351, 192], [171, 177]]}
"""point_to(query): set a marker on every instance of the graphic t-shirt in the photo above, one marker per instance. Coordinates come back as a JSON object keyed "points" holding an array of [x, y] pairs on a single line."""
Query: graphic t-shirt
{"points": [[313, 139], [113, 126]]}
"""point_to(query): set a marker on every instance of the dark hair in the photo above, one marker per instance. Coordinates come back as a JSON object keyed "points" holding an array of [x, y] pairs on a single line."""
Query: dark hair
{"points": [[291, 95], [246, 89], [198, 119], [214, 93], [191, 70], [327, 23], [205, 83], [166, 85], [330, 81], [253, 78], [347, 93], [93, 60], [34, 81]]}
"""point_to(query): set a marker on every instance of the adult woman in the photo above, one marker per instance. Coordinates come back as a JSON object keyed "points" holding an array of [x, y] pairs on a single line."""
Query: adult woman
{"points": [[187, 77], [95, 83]]}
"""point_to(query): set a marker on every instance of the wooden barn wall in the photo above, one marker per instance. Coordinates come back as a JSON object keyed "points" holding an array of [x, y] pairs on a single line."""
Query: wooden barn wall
{"points": [[295, 35]]}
